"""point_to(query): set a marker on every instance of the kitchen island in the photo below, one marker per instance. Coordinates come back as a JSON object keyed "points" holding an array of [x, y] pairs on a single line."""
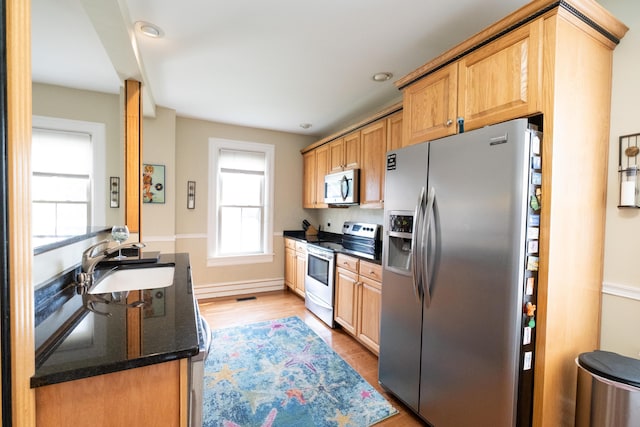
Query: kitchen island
{"points": [[130, 367]]}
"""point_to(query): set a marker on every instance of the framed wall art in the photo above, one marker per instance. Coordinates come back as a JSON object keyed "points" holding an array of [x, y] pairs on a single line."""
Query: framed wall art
{"points": [[191, 194], [153, 183], [114, 192]]}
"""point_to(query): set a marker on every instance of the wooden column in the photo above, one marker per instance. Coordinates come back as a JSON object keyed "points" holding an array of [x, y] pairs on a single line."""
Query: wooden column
{"points": [[133, 155], [18, 56], [133, 199]]}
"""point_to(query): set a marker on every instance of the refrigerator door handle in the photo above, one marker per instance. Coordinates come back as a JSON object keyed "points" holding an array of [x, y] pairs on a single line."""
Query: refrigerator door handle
{"points": [[429, 214], [416, 245]]}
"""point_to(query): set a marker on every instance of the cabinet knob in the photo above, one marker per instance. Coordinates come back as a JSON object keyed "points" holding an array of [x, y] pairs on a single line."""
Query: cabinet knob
{"points": [[448, 123]]}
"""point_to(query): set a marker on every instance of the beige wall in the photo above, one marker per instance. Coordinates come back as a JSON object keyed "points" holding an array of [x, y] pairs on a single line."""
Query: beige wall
{"points": [[159, 148], [621, 287], [191, 164], [74, 104]]}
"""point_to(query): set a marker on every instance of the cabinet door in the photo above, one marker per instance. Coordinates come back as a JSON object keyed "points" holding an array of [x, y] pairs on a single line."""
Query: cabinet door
{"points": [[290, 268], [309, 179], [429, 106], [346, 299], [374, 144], [352, 150], [502, 81], [369, 297], [394, 131], [336, 155], [301, 272], [322, 168]]}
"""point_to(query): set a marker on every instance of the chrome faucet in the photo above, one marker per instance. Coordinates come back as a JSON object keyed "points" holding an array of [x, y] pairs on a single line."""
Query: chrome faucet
{"points": [[90, 259]]}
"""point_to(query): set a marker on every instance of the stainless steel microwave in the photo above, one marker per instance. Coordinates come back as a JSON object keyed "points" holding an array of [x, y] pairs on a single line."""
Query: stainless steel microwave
{"points": [[342, 188]]}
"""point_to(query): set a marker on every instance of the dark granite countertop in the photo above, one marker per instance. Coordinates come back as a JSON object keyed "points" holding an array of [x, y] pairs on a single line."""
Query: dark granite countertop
{"points": [[97, 344], [331, 237]]}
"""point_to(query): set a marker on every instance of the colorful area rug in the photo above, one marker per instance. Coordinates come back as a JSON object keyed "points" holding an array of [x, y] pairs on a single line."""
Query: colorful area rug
{"points": [[281, 373]]}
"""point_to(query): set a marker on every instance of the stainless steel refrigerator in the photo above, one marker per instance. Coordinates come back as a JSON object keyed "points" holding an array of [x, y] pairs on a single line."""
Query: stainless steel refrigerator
{"points": [[460, 258]]}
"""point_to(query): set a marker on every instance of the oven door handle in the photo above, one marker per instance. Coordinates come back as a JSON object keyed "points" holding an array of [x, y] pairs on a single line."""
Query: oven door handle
{"points": [[318, 301]]}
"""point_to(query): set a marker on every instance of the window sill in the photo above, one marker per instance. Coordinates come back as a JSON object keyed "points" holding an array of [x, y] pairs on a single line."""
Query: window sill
{"points": [[238, 260]]}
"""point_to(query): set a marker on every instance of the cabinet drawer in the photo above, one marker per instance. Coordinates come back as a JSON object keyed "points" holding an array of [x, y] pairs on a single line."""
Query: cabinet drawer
{"points": [[290, 243], [301, 247], [347, 262], [370, 270]]}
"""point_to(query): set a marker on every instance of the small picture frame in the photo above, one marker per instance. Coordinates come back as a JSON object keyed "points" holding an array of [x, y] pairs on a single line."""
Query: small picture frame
{"points": [[191, 194], [153, 184], [114, 192]]}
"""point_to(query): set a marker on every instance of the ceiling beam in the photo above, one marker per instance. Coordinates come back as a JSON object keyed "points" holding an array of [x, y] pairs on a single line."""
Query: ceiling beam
{"points": [[112, 23]]}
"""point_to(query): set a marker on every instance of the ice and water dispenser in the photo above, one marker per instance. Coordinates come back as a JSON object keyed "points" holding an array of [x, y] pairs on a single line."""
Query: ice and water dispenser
{"points": [[400, 227]]}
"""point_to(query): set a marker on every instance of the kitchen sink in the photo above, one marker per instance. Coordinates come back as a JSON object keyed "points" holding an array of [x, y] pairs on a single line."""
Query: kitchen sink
{"points": [[132, 279]]}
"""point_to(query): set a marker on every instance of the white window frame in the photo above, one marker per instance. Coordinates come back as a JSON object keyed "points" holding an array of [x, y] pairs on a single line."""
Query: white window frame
{"points": [[99, 149], [213, 258]]}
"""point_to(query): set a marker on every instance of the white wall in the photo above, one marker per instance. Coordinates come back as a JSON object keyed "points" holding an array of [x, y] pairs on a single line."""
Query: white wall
{"points": [[621, 288]]}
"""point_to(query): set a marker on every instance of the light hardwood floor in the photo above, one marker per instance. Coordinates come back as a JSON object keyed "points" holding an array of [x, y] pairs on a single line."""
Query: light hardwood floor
{"points": [[222, 313]]}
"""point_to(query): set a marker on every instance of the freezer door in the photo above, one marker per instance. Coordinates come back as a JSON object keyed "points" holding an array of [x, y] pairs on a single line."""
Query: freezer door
{"points": [[401, 311], [471, 328]]}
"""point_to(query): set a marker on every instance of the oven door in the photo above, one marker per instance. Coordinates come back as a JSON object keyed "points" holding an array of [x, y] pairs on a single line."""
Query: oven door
{"points": [[318, 283]]}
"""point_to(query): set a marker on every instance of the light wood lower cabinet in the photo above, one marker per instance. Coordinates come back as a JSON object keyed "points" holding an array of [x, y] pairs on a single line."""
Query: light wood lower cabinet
{"points": [[295, 265], [357, 299], [154, 395]]}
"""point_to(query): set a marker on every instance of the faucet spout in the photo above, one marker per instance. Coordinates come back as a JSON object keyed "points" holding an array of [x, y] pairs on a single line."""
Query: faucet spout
{"points": [[90, 259]]}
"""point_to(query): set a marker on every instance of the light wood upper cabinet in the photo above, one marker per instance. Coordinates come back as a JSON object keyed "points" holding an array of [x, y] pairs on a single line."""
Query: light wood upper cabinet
{"points": [[309, 179], [502, 80], [430, 106], [315, 167], [374, 148], [394, 131], [345, 152], [336, 155], [352, 150], [322, 168]]}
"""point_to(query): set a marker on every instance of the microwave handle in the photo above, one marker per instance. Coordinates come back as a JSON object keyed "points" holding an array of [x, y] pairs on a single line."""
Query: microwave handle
{"points": [[344, 187]]}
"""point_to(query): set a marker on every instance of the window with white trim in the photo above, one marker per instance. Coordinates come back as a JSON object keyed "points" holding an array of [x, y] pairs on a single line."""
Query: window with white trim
{"points": [[64, 159], [240, 202]]}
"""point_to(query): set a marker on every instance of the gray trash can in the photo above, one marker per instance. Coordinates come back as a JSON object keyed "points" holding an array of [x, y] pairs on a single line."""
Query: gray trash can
{"points": [[608, 392]]}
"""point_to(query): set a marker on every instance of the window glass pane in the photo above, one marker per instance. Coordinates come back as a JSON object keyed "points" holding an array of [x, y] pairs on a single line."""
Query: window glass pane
{"points": [[240, 230], [60, 188], [72, 218], [241, 189], [44, 219], [241, 160], [61, 152], [59, 219]]}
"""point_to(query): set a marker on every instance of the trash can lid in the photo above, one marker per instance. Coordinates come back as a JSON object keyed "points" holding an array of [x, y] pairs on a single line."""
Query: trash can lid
{"points": [[612, 366]]}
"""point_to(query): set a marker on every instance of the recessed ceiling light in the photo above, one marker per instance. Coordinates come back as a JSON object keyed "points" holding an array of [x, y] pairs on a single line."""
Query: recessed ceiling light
{"points": [[305, 125], [149, 29], [381, 77]]}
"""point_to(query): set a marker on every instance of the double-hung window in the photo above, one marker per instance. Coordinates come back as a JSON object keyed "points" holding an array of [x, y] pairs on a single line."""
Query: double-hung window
{"points": [[63, 192], [240, 202]]}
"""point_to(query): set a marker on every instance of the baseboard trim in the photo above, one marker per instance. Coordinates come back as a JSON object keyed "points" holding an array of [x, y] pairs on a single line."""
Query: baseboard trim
{"points": [[624, 291], [217, 290]]}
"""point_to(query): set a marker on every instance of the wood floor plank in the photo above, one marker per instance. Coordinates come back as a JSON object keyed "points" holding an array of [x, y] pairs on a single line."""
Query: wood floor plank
{"points": [[228, 312]]}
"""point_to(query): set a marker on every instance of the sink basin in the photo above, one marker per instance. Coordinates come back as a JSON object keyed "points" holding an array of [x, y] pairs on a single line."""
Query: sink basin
{"points": [[133, 279]]}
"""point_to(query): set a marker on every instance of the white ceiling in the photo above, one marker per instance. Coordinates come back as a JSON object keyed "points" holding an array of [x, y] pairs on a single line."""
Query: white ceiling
{"points": [[269, 64]]}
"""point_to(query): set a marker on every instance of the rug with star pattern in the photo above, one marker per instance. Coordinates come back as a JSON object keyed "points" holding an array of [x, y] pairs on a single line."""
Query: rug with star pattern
{"points": [[281, 373]]}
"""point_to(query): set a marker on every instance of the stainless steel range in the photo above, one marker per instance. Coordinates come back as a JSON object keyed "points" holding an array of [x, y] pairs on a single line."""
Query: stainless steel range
{"points": [[358, 239]]}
